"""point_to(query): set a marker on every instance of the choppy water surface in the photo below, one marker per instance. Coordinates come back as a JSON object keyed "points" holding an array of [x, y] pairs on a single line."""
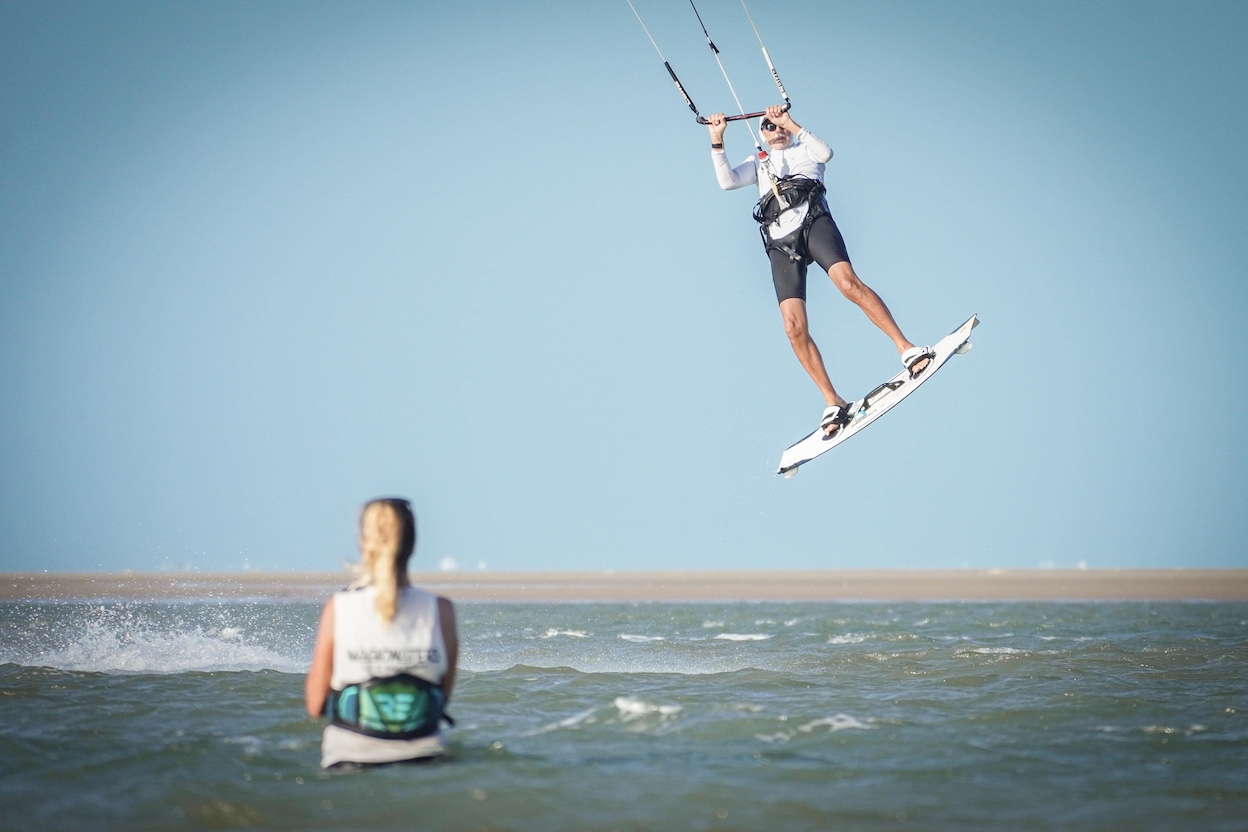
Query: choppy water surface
{"points": [[646, 716]]}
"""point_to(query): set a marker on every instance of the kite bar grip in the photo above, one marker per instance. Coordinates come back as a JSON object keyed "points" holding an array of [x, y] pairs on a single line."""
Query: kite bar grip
{"points": [[743, 116]]}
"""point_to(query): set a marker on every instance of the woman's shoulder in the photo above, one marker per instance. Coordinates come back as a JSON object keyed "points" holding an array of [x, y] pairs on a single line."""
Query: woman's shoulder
{"points": [[415, 593]]}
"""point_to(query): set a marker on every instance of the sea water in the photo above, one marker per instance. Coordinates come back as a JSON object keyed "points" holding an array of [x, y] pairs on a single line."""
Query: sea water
{"points": [[622, 716]]}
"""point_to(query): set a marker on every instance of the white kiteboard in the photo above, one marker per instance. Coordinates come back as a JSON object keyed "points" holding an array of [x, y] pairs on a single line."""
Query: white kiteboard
{"points": [[876, 403]]}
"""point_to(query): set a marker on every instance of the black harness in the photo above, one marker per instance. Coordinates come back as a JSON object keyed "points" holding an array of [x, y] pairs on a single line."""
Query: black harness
{"points": [[794, 190]]}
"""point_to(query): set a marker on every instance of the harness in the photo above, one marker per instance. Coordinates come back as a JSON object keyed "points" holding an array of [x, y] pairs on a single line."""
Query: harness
{"points": [[791, 191], [401, 707]]}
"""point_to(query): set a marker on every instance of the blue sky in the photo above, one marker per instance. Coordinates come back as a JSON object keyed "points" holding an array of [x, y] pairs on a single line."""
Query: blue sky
{"points": [[261, 262]]}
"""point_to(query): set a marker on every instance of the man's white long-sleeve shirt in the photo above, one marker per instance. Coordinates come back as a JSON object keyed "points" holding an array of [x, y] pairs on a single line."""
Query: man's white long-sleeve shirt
{"points": [[806, 156]]}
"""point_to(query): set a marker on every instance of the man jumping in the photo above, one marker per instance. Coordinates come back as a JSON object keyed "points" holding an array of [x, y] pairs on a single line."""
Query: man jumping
{"points": [[798, 229]]}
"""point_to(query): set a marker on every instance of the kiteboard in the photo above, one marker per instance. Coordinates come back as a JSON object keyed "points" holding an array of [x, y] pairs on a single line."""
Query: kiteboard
{"points": [[876, 403]]}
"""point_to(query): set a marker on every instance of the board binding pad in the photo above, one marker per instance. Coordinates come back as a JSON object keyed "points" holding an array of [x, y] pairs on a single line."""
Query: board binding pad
{"points": [[876, 403]]}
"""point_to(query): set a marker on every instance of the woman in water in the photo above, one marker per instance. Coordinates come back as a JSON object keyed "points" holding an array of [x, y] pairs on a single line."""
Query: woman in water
{"points": [[383, 667]]}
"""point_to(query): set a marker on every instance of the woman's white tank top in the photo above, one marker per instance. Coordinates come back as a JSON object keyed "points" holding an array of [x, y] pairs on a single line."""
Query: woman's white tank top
{"points": [[365, 647]]}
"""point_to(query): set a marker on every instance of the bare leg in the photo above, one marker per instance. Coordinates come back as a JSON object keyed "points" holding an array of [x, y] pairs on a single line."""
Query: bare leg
{"points": [[869, 302], [793, 311]]}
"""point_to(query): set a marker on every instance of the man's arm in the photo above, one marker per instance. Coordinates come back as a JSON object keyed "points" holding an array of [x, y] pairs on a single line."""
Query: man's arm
{"points": [[727, 176], [818, 149]]}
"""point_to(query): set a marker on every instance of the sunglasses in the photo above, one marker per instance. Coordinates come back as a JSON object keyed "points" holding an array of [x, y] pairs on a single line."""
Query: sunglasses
{"points": [[769, 127]]}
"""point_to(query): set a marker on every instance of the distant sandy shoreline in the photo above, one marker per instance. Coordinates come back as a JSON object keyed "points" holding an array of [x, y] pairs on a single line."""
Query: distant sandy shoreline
{"points": [[797, 585]]}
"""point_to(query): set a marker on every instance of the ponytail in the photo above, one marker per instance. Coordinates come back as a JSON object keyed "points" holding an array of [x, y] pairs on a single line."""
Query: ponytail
{"points": [[387, 538]]}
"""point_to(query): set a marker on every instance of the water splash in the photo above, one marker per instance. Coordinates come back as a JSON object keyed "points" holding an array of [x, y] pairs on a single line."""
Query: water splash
{"points": [[135, 638]]}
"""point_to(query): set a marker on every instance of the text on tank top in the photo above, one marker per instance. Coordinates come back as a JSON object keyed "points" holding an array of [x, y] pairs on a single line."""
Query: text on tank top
{"points": [[366, 648]]}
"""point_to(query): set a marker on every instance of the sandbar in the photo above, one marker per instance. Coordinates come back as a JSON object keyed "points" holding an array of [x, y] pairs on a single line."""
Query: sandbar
{"points": [[660, 586]]}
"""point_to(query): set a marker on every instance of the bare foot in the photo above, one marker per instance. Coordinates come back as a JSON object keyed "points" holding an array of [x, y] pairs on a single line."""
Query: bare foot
{"points": [[917, 359], [835, 417]]}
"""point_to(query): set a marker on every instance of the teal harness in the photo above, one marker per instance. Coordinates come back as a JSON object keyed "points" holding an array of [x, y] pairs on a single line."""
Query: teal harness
{"points": [[399, 707]]}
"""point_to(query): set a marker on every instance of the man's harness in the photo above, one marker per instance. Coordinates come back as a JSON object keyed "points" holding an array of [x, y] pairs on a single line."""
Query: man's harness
{"points": [[793, 191]]}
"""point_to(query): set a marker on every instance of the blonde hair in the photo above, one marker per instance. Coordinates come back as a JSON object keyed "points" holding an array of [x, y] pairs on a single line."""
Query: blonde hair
{"points": [[387, 538]]}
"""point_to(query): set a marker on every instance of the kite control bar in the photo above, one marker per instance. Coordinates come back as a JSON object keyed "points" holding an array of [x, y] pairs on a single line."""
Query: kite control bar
{"points": [[743, 116], [715, 52]]}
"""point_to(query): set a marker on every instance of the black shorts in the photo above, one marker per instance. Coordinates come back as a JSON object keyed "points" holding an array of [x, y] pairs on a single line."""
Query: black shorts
{"points": [[820, 242]]}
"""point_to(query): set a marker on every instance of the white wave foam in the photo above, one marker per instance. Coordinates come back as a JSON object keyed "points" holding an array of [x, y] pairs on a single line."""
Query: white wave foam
{"points": [[103, 649], [642, 639], [840, 722], [1166, 729], [848, 638], [631, 708], [552, 633], [586, 717], [743, 636]]}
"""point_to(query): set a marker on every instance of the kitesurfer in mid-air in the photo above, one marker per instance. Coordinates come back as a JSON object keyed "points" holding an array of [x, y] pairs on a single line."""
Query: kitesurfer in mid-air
{"points": [[797, 230]]}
